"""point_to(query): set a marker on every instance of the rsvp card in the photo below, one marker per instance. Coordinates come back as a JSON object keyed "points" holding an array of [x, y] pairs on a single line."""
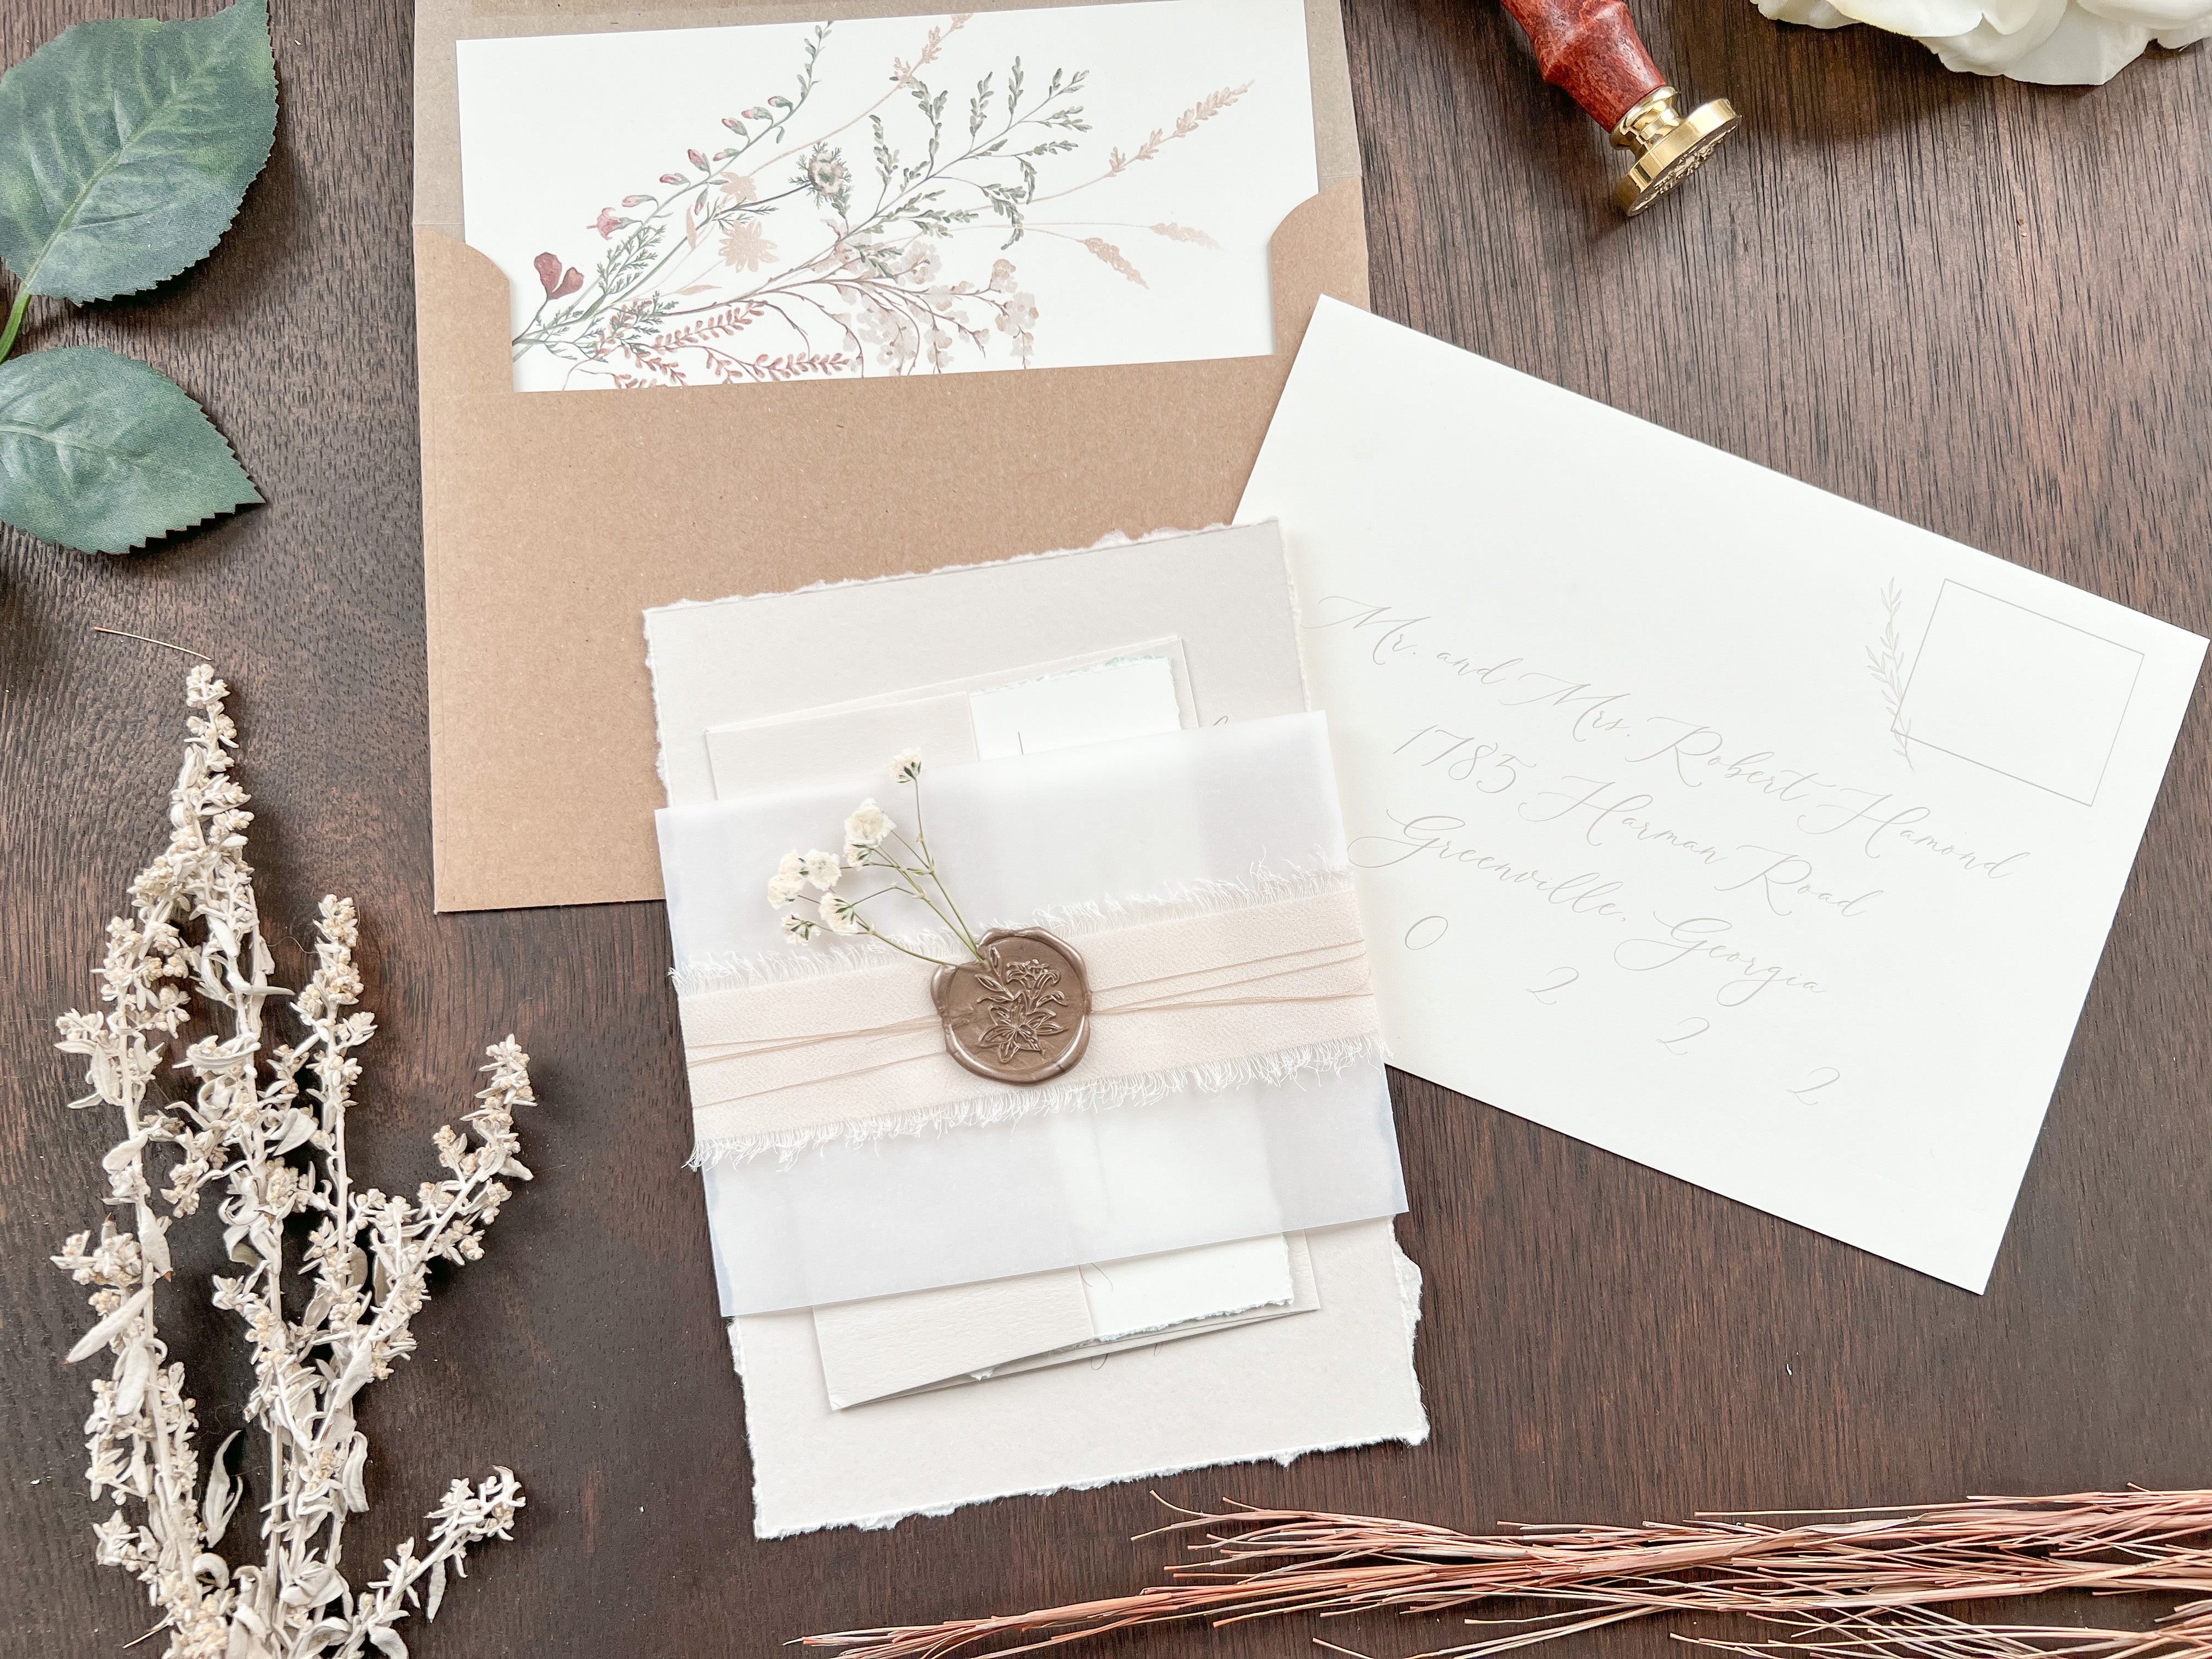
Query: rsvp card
{"points": [[1722, 823]]}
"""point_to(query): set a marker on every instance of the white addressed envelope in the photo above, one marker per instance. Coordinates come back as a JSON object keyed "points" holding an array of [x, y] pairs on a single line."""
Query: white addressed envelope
{"points": [[1715, 820]]}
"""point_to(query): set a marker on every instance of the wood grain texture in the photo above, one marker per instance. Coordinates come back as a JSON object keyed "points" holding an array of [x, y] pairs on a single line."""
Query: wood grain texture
{"points": [[1975, 305], [1590, 50]]}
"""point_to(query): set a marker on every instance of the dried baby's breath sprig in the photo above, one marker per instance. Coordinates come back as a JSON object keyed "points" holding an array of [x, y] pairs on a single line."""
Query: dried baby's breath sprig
{"points": [[261, 1135], [873, 845], [1843, 1584]]}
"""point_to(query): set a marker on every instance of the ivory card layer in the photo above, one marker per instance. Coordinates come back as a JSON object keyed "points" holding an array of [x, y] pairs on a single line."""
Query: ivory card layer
{"points": [[1056, 187], [1340, 1375], [1717, 821], [1216, 602]]}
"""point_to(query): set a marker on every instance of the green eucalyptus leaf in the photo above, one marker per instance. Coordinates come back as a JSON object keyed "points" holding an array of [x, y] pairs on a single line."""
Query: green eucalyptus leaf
{"points": [[102, 454], [127, 147]]}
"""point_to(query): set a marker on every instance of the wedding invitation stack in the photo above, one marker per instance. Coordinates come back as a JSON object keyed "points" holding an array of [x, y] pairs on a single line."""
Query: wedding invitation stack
{"points": [[1173, 1248]]}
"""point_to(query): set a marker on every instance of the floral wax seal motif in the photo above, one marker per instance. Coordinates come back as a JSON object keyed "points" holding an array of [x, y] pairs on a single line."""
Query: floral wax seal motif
{"points": [[1022, 1013]]}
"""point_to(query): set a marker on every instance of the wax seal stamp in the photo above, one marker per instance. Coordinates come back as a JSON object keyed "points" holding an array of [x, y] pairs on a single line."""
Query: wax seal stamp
{"points": [[1019, 1014], [1590, 48]]}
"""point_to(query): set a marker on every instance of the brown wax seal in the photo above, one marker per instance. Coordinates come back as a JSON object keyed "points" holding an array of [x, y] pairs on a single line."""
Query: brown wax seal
{"points": [[1020, 1015]]}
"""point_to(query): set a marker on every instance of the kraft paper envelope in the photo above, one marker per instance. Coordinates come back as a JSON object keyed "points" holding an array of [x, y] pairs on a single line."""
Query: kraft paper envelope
{"points": [[551, 519]]}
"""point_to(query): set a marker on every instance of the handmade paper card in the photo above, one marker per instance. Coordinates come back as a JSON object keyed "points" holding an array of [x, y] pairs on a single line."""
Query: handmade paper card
{"points": [[894, 1231], [1720, 822], [1217, 601], [1340, 1375], [1057, 186], [1138, 689]]}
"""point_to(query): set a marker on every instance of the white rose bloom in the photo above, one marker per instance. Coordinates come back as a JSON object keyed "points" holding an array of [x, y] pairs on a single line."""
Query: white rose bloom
{"points": [[820, 868], [2055, 43], [837, 914], [868, 826], [906, 766]]}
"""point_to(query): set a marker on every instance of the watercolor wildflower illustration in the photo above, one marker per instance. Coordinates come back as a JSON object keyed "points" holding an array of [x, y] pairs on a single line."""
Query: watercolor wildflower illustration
{"points": [[804, 241]]}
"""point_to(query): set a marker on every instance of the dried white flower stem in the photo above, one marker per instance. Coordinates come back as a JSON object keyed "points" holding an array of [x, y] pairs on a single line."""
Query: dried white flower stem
{"points": [[869, 835], [268, 1131]]}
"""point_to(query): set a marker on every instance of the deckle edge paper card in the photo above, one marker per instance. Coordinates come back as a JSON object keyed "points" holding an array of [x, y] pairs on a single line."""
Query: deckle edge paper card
{"points": [[1056, 187], [1230, 1090], [1337, 1378], [1776, 851]]}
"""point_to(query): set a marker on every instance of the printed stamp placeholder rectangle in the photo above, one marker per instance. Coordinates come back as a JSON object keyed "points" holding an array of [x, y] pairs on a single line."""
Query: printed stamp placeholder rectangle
{"points": [[2011, 689]]}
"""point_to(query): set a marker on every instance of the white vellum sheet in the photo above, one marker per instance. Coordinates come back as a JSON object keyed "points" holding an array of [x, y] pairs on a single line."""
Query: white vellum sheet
{"points": [[1341, 1375], [1017, 837], [871, 1218], [862, 1217]]}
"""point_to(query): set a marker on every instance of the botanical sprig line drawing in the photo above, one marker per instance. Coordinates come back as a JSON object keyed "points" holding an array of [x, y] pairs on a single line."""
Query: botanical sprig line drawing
{"points": [[812, 239], [1023, 1001], [1886, 663]]}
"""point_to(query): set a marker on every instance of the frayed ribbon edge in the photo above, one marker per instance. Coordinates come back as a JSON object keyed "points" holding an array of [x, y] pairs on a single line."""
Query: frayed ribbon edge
{"points": [[1336, 1057]]}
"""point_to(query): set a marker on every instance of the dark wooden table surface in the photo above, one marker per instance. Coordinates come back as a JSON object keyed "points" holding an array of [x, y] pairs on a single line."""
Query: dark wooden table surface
{"points": [[1981, 307]]}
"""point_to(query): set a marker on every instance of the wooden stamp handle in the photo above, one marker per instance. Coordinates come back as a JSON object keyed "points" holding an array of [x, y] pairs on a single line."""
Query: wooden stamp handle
{"points": [[1590, 49]]}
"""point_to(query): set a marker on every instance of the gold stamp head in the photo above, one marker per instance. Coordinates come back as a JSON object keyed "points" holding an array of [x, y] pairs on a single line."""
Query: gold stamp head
{"points": [[1669, 147]]}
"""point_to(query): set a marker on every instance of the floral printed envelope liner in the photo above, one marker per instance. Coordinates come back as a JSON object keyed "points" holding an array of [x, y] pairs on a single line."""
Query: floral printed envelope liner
{"points": [[1055, 187]]}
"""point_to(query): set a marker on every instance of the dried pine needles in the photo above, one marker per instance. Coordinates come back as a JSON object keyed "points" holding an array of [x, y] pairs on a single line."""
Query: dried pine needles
{"points": [[1859, 1584]]}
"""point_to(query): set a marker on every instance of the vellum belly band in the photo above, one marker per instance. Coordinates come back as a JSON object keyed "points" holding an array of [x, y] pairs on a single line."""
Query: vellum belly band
{"points": [[1250, 991]]}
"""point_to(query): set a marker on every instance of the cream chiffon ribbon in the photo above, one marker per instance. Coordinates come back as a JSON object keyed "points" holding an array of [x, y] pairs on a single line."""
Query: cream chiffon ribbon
{"points": [[1202, 999]]}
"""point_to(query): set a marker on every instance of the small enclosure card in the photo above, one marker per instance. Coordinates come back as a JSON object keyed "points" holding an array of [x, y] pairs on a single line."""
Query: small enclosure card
{"points": [[1713, 819], [1054, 186]]}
